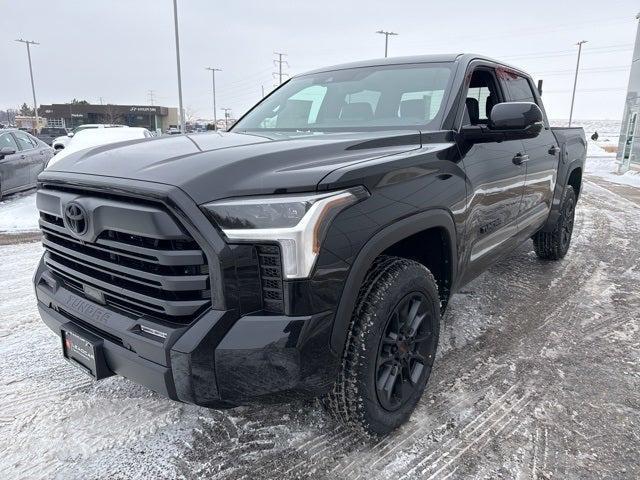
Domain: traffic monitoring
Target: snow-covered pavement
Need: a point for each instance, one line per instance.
(538, 376)
(18, 213)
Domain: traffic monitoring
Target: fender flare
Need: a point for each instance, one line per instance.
(561, 184)
(385, 238)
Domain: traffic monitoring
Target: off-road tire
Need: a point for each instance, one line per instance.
(554, 245)
(353, 399)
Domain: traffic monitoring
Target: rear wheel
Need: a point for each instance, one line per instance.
(390, 348)
(555, 244)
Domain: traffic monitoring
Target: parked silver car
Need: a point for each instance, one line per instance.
(22, 158)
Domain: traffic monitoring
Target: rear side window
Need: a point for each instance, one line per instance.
(517, 87)
(7, 140)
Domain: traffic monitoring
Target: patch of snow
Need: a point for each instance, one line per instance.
(606, 167)
(18, 213)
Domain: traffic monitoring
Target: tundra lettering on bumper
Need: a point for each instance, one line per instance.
(194, 364)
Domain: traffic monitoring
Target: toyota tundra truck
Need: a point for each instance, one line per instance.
(312, 249)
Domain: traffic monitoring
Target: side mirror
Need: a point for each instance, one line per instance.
(70, 134)
(4, 151)
(507, 121)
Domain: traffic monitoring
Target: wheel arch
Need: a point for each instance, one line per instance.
(429, 221)
(575, 179)
(569, 177)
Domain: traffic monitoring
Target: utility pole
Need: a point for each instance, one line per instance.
(226, 117)
(101, 100)
(386, 40)
(575, 80)
(175, 20)
(28, 43)
(279, 63)
(213, 77)
(150, 95)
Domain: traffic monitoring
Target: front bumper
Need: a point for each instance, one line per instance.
(219, 360)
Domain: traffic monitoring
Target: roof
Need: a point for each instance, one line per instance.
(439, 58)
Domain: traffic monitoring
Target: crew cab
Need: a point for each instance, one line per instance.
(310, 250)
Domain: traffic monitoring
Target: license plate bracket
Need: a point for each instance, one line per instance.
(84, 350)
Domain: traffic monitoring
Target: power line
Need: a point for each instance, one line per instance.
(28, 43)
(589, 90)
(386, 40)
(523, 31)
(279, 62)
(603, 69)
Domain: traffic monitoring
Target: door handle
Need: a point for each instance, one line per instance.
(553, 150)
(520, 158)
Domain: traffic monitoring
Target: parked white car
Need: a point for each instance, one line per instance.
(94, 137)
(61, 142)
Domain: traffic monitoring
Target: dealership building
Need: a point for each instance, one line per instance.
(71, 115)
(629, 144)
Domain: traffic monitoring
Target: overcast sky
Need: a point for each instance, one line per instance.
(120, 49)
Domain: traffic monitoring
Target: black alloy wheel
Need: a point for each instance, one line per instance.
(406, 351)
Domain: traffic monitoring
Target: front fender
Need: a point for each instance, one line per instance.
(380, 242)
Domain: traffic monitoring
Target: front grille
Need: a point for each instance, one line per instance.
(271, 278)
(139, 275)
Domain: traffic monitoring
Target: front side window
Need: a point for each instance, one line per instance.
(482, 96)
(369, 98)
(7, 140)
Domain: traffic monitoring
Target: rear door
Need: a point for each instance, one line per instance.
(12, 171)
(31, 158)
(40, 159)
(543, 156)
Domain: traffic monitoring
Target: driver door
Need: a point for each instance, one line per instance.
(495, 181)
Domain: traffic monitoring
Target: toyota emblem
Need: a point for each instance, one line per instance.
(75, 218)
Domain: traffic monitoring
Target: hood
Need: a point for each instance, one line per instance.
(216, 165)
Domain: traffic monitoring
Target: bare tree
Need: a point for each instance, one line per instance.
(11, 115)
(111, 115)
(190, 114)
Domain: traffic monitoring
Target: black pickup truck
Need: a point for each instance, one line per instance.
(311, 250)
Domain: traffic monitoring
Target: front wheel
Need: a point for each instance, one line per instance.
(554, 245)
(390, 347)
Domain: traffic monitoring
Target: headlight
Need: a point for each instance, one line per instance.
(297, 222)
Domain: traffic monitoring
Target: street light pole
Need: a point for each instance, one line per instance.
(28, 43)
(226, 118)
(213, 75)
(175, 20)
(575, 80)
(386, 40)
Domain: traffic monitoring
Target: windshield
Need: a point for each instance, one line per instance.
(369, 98)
